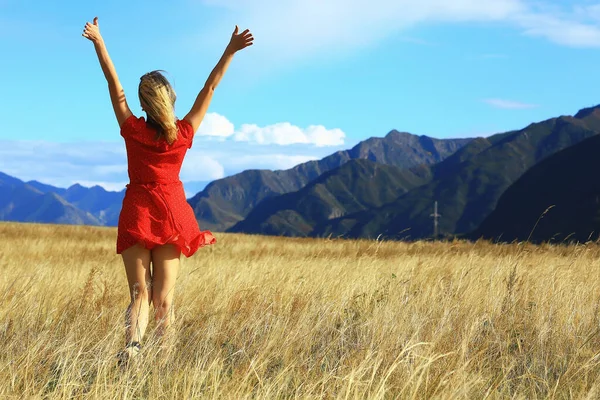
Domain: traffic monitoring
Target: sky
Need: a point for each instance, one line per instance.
(321, 76)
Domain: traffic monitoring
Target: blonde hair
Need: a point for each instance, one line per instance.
(157, 98)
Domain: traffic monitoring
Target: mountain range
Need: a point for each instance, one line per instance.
(34, 201)
(468, 184)
(492, 187)
(227, 201)
(359, 184)
(223, 202)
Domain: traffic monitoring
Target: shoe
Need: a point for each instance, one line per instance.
(129, 353)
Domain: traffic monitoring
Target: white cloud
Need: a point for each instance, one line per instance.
(105, 163)
(214, 124)
(297, 30)
(565, 31)
(198, 167)
(217, 126)
(508, 104)
(110, 186)
(286, 134)
(64, 164)
(110, 169)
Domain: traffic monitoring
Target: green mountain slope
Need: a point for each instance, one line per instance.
(357, 185)
(225, 202)
(468, 184)
(564, 189)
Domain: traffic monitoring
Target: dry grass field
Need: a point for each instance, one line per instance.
(270, 318)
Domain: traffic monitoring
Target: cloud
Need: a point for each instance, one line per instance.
(508, 104)
(299, 30)
(287, 30)
(110, 169)
(218, 151)
(284, 133)
(563, 30)
(110, 186)
(63, 164)
(214, 124)
(105, 163)
(198, 167)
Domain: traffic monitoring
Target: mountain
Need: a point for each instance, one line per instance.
(357, 185)
(44, 188)
(34, 201)
(104, 205)
(225, 202)
(469, 183)
(566, 185)
(20, 201)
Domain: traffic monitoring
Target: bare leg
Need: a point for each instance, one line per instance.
(137, 268)
(165, 265)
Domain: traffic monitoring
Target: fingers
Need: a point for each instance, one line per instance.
(89, 26)
(243, 34)
(243, 39)
(90, 31)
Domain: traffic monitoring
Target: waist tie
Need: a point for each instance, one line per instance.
(160, 201)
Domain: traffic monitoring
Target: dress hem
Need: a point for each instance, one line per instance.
(204, 238)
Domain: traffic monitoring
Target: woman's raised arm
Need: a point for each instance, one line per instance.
(117, 95)
(237, 43)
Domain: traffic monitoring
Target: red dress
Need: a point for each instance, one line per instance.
(155, 210)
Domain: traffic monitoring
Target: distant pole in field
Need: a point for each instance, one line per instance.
(435, 217)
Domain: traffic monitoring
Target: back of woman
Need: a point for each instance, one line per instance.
(156, 224)
(150, 158)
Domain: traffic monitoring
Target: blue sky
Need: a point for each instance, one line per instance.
(321, 76)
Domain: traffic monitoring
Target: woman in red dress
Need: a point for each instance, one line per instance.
(156, 224)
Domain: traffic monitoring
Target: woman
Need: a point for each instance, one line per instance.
(156, 223)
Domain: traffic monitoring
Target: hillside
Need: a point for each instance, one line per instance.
(566, 185)
(468, 184)
(357, 185)
(227, 201)
(34, 201)
(22, 202)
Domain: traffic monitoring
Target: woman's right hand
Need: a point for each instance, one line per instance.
(92, 31)
(240, 41)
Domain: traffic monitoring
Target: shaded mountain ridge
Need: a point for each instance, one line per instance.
(227, 201)
(357, 185)
(556, 200)
(467, 184)
(34, 201)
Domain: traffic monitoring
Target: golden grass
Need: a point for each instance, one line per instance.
(262, 317)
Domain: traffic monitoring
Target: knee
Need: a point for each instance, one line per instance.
(161, 302)
(140, 293)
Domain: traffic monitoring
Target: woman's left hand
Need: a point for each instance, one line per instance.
(92, 31)
(241, 41)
